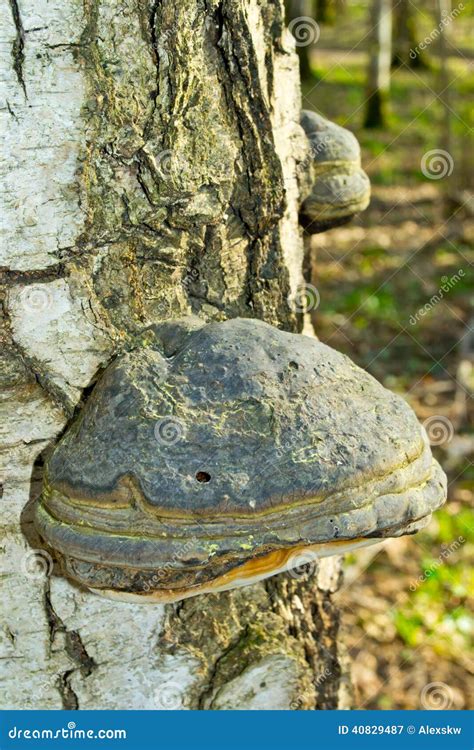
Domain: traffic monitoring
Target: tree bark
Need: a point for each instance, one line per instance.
(153, 160)
(380, 54)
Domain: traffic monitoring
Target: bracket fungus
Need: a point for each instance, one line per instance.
(209, 457)
(340, 187)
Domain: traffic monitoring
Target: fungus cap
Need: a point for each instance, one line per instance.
(340, 187)
(207, 459)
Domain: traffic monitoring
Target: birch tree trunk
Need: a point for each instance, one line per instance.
(380, 56)
(152, 171)
(443, 16)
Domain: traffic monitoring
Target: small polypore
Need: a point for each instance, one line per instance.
(215, 454)
(340, 188)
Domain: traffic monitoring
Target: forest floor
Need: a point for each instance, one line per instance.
(405, 611)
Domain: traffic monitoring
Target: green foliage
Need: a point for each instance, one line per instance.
(371, 282)
(435, 611)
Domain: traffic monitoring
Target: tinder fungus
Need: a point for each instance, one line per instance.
(340, 187)
(210, 456)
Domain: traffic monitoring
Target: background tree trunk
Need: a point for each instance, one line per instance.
(380, 55)
(443, 14)
(302, 10)
(405, 40)
(153, 164)
(325, 11)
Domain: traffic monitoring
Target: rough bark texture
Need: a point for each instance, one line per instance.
(380, 56)
(153, 160)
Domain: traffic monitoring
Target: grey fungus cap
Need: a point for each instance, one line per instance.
(205, 459)
(340, 188)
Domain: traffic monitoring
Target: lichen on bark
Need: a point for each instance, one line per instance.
(181, 176)
(153, 172)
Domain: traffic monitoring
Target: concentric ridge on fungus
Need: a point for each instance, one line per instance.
(207, 458)
(340, 188)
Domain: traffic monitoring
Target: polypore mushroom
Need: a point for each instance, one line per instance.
(340, 188)
(211, 457)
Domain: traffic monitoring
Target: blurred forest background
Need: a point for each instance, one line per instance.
(396, 295)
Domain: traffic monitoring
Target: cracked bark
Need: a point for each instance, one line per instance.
(73, 647)
(18, 45)
(152, 173)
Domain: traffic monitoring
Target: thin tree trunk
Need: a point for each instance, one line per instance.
(448, 183)
(405, 41)
(380, 55)
(325, 11)
(302, 13)
(153, 161)
(443, 11)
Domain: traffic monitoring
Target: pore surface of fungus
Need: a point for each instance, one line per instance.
(340, 187)
(208, 458)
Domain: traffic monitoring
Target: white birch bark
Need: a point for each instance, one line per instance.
(150, 170)
(380, 58)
